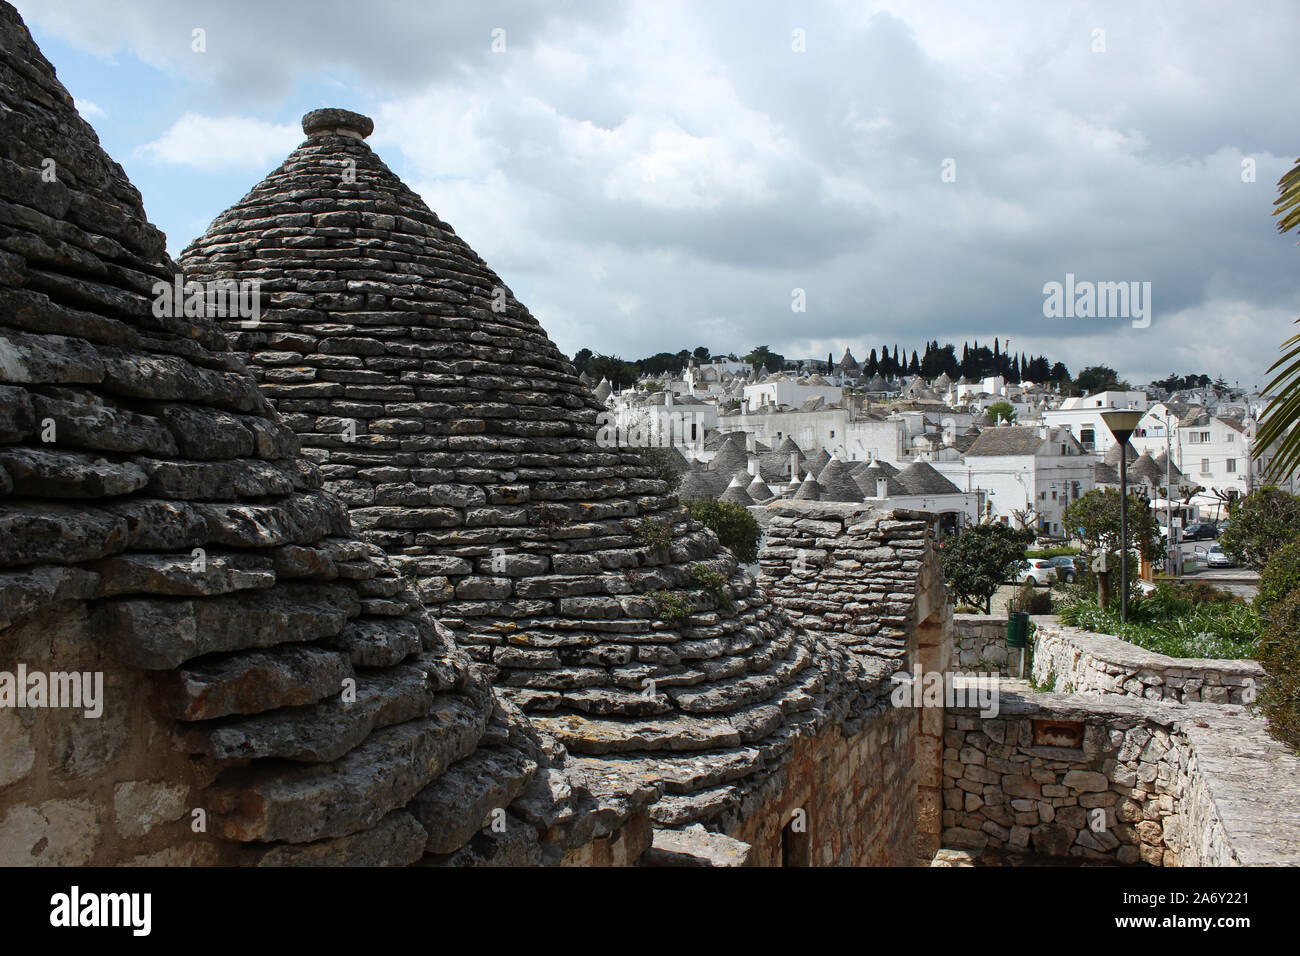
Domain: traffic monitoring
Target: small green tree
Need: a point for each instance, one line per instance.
(1279, 654)
(977, 561)
(1094, 517)
(735, 527)
(1281, 576)
(1261, 523)
(1002, 411)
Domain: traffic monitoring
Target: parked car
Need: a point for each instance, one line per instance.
(1067, 567)
(1035, 571)
(1216, 558)
(1204, 531)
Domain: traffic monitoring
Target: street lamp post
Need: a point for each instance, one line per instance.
(1122, 422)
(1169, 511)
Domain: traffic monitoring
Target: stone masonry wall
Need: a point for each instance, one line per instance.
(869, 581)
(862, 577)
(979, 643)
(78, 790)
(1077, 661)
(1120, 780)
(856, 783)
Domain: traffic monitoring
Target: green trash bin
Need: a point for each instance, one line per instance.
(1017, 628)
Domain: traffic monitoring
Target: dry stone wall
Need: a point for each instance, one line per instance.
(870, 582)
(851, 574)
(1120, 780)
(853, 787)
(1075, 661)
(980, 644)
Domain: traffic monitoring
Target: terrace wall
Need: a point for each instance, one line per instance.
(1075, 661)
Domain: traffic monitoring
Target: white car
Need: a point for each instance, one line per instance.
(1035, 571)
(1215, 558)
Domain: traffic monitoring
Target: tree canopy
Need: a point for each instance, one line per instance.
(1260, 524)
(1094, 517)
(977, 561)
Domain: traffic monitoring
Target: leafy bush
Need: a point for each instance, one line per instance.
(1032, 601)
(1095, 516)
(1279, 653)
(671, 605)
(654, 534)
(712, 581)
(1181, 621)
(1046, 553)
(735, 527)
(1280, 577)
(667, 465)
(978, 560)
(1260, 524)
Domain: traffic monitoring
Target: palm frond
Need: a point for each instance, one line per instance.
(1287, 204)
(1278, 424)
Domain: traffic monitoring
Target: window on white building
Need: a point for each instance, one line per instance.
(1205, 466)
(1232, 465)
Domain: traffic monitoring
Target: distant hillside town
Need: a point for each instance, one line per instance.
(965, 450)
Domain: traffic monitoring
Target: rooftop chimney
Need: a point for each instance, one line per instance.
(338, 122)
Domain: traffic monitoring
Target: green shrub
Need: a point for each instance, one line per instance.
(1280, 577)
(1261, 523)
(712, 581)
(1279, 653)
(668, 466)
(1032, 601)
(1046, 553)
(977, 561)
(654, 534)
(1181, 621)
(735, 527)
(671, 605)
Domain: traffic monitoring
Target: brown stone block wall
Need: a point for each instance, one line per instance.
(76, 790)
(858, 791)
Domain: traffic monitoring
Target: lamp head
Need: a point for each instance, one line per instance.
(1122, 422)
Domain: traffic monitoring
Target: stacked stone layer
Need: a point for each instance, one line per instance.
(465, 446)
(156, 519)
(851, 574)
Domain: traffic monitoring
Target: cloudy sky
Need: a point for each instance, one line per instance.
(659, 175)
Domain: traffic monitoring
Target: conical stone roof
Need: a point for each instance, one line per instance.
(758, 490)
(818, 462)
(158, 525)
(789, 446)
(1146, 469)
(736, 493)
(1174, 475)
(562, 566)
(603, 390)
(695, 484)
(866, 480)
(1113, 452)
(922, 478)
(732, 456)
(837, 484)
(809, 489)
